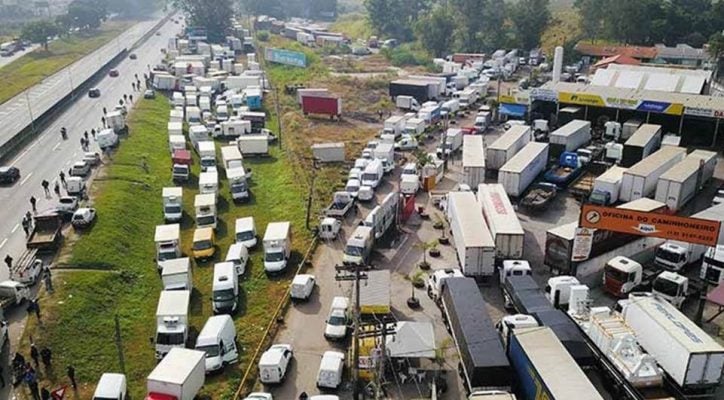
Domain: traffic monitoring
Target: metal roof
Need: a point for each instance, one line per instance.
(473, 153)
(522, 159)
(510, 136)
(643, 135)
(655, 160)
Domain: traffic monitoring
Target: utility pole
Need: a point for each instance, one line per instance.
(311, 191)
(353, 273)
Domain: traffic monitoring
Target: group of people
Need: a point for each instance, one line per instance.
(24, 372)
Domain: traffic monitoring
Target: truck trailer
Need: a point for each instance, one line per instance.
(502, 220)
(473, 160)
(473, 242)
(322, 104)
(679, 184)
(507, 145)
(640, 180)
(606, 187)
(520, 171)
(569, 137)
(643, 142)
(422, 91)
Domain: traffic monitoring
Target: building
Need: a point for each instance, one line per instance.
(663, 79)
(598, 52)
(619, 59)
(681, 54)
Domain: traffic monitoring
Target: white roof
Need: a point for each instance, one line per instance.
(277, 230)
(108, 385)
(177, 365)
(223, 270)
(198, 129)
(175, 266)
(244, 223)
(167, 232)
(473, 153)
(612, 175)
(205, 145)
(208, 178)
(205, 200)
(302, 279)
(234, 173)
(330, 360)
(498, 211)
(176, 139)
(683, 169)
(570, 128)
(172, 191)
(173, 302)
(408, 178)
(603, 77)
(473, 228)
(340, 302)
(376, 289)
(643, 135)
(510, 136)
(212, 326)
(412, 339)
(653, 161)
(272, 356)
(230, 152)
(643, 204)
(624, 264)
(522, 159)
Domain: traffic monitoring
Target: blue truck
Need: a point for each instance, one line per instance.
(566, 171)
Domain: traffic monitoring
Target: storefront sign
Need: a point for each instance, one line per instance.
(614, 102)
(543, 95)
(653, 106)
(583, 99)
(699, 112)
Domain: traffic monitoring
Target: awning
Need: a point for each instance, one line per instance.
(412, 340)
(513, 110)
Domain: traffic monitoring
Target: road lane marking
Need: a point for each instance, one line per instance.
(3, 242)
(26, 179)
(21, 156)
(56, 146)
(15, 228)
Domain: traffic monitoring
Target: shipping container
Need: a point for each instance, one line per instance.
(679, 184)
(520, 171)
(301, 92)
(643, 142)
(483, 363)
(439, 85)
(569, 137)
(544, 369)
(502, 220)
(640, 180)
(474, 244)
(607, 186)
(473, 161)
(507, 145)
(322, 104)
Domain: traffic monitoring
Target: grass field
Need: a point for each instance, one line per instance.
(354, 25)
(110, 271)
(32, 68)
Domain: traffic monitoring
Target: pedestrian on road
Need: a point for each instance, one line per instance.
(35, 354)
(47, 356)
(130, 98)
(135, 76)
(57, 188)
(44, 394)
(2, 377)
(120, 101)
(105, 111)
(46, 185)
(62, 177)
(103, 121)
(85, 135)
(26, 226)
(138, 85)
(93, 132)
(35, 307)
(29, 217)
(9, 262)
(32, 203)
(125, 97)
(71, 376)
(133, 86)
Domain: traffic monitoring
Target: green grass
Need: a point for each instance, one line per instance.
(355, 26)
(32, 68)
(113, 273)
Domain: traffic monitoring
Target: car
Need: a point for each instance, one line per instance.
(68, 203)
(274, 362)
(337, 319)
(302, 287)
(83, 217)
(149, 94)
(133, 56)
(94, 92)
(92, 158)
(113, 73)
(80, 168)
(259, 396)
(158, 33)
(9, 174)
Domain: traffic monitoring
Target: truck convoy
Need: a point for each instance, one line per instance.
(474, 244)
(506, 146)
(520, 171)
(641, 179)
(473, 161)
(569, 137)
(502, 220)
(643, 142)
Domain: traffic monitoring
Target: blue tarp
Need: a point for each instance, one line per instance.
(513, 110)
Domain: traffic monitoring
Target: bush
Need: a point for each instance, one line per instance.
(263, 36)
(405, 56)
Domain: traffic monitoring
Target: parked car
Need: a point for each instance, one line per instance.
(9, 174)
(83, 217)
(68, 203)
(94, 92)
(259, 396)
(92, 158)
(80, 168)
(113, 73)
(133, 56)
(149, 94)
(302, 287)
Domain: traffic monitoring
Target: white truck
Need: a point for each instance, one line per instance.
(409, 184)
(606, 186)
(449, 108)
(172, 204)
(381, 218)
(205, 206)
(643, 142)
(520, 171)
(237, 183)
(502, 220)
(569, 137)
(175, 128)
(198, 133)
(116, 121)
(473, 160)
(359, 246)
(207, 155)
(172, 316)
(168, 242)
(231, 157)
(394, 125)
(386, 153)
(675, 255)
(407, 103)
(235, 128)
(176, 274)
(629, 128)
(253, 145)
(506, 146)
(179, 376)
(453, 142)
(474, 244)
(640, 180)
(277, 246)
(415, 126)
(679, 184)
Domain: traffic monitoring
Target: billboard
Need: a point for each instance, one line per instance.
(691, 230)
(286, 57)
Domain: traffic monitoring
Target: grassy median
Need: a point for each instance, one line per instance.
(37, 65)
(110, 270)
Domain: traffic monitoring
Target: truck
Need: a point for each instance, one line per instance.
(27, 268)
(643, 142)
(375, 297)
(420, 90)
(502, 220)
(482, 121)
(606, 187)
(238, 185)
(395, 125)
(467, 98)
(474, 245)
(506, 146)
(253, 145)
(181, 160)
(235, 128)
(675, 255)
(172, 204)
(431, 114)
(532, 352)
(437, 84)
(629, 128)
(565, 171)
(453, 142)
(473, 160)
(342, 203)
(172, 316)
(622, 275)
(385, 152)
(175, 128)
(13, 293)
(322, 104)
(382, 217)
(301, 92)
(277, 246)
(407, 103)
(569, 137)
(46, 234)
(168, 242)
(414, 126)
(641, 179)
(207, 155)
(176, 274)
(483, 363)
(179, 376)
(679, 184)
(231, 157)
(520, 170)
(690, 357)
(205, 208)
(116, 121)
(449, 108)
(712, 266)
(359, 246)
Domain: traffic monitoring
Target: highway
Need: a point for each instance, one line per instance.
(7, 60)
(15, 114)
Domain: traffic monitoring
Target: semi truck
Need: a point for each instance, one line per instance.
(606, 187)
(520, 171)
(643, 142)
(483, 364)
(473, 161)
(679, 184)
(172, 315)
(422, 91)
(640, 180)
(502, 220)
(474, 245)
(322, 104)
(179, 376)
(569, 137)
(506, 146)
(675, 255)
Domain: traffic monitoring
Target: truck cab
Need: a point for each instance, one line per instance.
(515, 321)
(167, 238)
(674, 255)
(514, 268)
(558, 290)
(237, 183)
(205, 205)
(712, 268)
(599, 197)
(672, 287)
(622, 275)
(359, 246)
(612, 131)
(13, 293)
(329, 228)
(436, 280)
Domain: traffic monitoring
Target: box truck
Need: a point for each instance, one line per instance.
(407, 103)
(473, 161)
(205, 207)
(172, 316)
(207, 155)
(474, 244)
(643, 142)
(176, 274)
(172, 203)
(277, 246)
(606, 186)
(629, 128)
(328, 152)
(502, 220)
(679, 184)
(689, 355)
(569, 137)
(381, 218)
(322, 104)
(394, 125)
(640, 180)
(520, 171)
(231, 157)
(237, 183)
(179, 376)
(167, 238)
(507, 145)
(483, 364)
(453, 142)
(420, 90)
(253, 145)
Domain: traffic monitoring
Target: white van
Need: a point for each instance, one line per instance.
(274, 363)
(111, 387)
(336, 323)
(218, 340)
(352, 187)
(107, 138)
(225, 289)
(359, 246)
(302, 287)
(246, 232)
(238, 255)
(373, 173)
(330, 370)
(365, 193)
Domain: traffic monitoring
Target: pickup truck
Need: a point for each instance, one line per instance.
(27, 269)
(46, 234)
(340, 206)
(13, 293)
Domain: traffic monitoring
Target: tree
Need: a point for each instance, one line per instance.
(39, 31)
(435, 29)
(395, 18)
(591, 17)
(716, 49)
(471, 19)
(214, 16)
(87, 14)
(530, 18)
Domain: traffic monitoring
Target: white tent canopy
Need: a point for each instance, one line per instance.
(412, 340)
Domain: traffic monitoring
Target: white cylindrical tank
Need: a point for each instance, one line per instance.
(557, 63)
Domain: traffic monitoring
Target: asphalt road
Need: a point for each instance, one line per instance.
(48, 154)
(15, 113)
(7, 60)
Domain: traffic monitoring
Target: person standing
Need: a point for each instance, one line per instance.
(105, 111)
(103, 121)
(47, 279)
(71, 376)
(32, 382)
(35, 355)
(46, 186)
(56, 188)
(9, 262)
(133, 86)
(33, 200)
(47, 356)
(26, 226)
(2, 377)
(44, 394)
(36, 308)
(62, 178)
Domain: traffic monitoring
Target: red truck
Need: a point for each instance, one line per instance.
(322, 104)
(181, 164)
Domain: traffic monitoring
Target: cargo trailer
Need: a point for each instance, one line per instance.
(679, 184)
(507, 145)
(420, 90)
(520, 171)
(643, 142)
(483, 364)
(473, 243)
(439, 85)
(322, 104)
(569, 137)
(502, 220)
(607, 186)
(640, 180)
(629, 128)
(473, 161)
